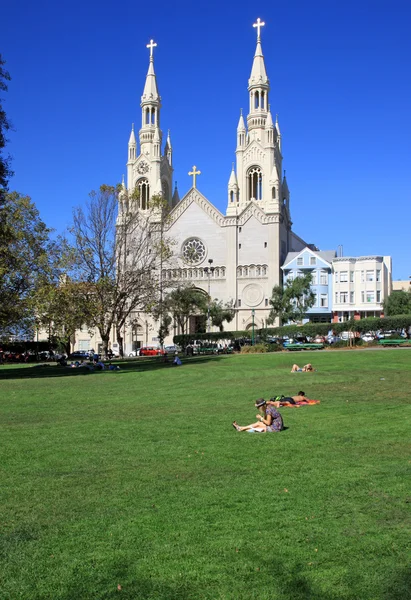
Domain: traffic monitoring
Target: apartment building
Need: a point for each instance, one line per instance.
(360, 286)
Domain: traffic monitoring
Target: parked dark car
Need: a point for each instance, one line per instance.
(79, 355)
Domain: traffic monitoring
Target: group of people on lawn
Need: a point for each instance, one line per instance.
(269, 419)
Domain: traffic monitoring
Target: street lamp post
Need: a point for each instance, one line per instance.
(209, 271)
(252, 334)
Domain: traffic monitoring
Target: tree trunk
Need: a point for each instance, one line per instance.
(105, 339)
(120, 344)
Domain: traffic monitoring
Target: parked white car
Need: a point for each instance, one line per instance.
(134, 353)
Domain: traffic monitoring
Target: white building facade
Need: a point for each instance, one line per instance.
(360, 286)
(245, 247)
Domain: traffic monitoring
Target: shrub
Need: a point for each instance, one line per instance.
(256, 349)
(274, 348)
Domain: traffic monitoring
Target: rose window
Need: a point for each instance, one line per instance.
(193, 251)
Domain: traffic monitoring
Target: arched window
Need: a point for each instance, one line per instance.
(255, 183)
(147, 116)
(273, 193)
(153, 116)
(231, 196)
(262, 100)
(256, 100)
(144, 192)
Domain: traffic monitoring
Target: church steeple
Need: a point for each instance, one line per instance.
(150, 172)
(257, 176)
(150, 102)
(258, 85)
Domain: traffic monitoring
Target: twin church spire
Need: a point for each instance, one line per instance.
(257, 175)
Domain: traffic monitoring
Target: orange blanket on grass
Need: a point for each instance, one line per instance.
(300, 403)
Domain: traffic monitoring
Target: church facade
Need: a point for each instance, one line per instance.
(237, 256)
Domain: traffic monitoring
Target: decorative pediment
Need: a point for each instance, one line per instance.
(253, 210)
(254, 153)
(194, 196)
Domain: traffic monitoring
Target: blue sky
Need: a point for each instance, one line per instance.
(340, 81)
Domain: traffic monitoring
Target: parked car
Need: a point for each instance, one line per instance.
(79, 355)
(346, 335)
(368, 337)
(134, 353)
(151, 351)
(172, 348)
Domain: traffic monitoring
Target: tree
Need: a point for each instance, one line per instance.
(26, 258)
(184, 302)
(60, 310)
(291, 302)
(397, 303)
(220, 312)
(116, 258)
(5, 125)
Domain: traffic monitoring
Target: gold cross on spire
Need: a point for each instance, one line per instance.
(151, 45)
(194, 173)
(259, 24)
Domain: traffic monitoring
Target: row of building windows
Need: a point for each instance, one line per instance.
(300, 261)
(366, 297)
(200, 273)
(252, 271)
(369, 275)
(318, 278)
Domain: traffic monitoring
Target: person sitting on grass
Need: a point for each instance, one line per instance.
(306, 368)
(269, 419)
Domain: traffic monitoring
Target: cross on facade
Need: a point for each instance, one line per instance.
(194, 173)
(151, 45)
(259, 24)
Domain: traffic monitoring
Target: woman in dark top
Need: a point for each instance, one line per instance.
(269, 419)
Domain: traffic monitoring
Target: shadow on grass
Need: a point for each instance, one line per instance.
(132, 366)
(400, 587)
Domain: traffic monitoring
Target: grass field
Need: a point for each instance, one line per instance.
(134, 485)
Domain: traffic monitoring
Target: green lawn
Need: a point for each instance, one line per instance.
(134, 485)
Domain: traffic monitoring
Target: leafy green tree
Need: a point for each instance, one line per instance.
(220, 313)
(184, 302)
(397, 303)
(60, 309)
(5, 125)
(26, 259)
(291, 302)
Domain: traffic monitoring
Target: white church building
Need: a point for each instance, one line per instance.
(236, 256)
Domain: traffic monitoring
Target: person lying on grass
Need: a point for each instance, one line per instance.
(268, 419)
(299, 399)
(306, 368)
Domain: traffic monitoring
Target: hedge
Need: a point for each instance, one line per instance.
(309, 329)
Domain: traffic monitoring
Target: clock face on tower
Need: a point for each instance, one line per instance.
(142, 168)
